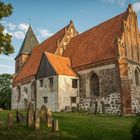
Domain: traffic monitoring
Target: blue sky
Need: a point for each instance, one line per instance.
(49, 16)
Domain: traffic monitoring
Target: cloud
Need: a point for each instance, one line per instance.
(118, 2)
(7, 58)
(136, 6)
(44, 33)
(23, 26)
(19, 34)
(6, 66)
(11, 26)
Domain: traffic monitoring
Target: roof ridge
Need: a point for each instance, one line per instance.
(100, 24)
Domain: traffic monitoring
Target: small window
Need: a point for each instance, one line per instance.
(73, 99)
(51, 82)
(74, 83)
(45, 100)
(41, 83)
(26, 90)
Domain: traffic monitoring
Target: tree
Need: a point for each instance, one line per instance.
(5, 39)
(5, 91)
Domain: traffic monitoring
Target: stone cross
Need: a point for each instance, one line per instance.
(49, 117)
(55, 126)
(10, 121)
(37, 120)
(30, 116)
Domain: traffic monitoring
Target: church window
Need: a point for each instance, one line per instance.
(51, 82)
(19, 93)
(137, 77)
(73, 99)
(74, 83)
(41, 83)
(26, 90)
(94, 85)
(45, 99)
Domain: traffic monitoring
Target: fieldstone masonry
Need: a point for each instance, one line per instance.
(135, 90)
(109, 100)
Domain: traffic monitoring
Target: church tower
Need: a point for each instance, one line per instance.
(30, 41)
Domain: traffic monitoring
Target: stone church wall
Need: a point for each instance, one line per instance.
(109, 100)
(25, 94)
(135, 90)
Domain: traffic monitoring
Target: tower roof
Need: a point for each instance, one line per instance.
(30, 41)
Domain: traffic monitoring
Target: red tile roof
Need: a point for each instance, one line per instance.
(31, 66)
(96, 44)
(61, 65)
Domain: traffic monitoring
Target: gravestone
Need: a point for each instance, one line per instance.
(103, 106)
(37, 120)
(1, 109)
(30, 116)
(55, 126)
(43, 113)
(96, 108)
(1, 124)
(17, 116)
(10, 121)
(49, 117)
(67, 109)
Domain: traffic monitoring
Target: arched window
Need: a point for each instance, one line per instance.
(18, 93)
(137, 77)
(33, 89)
(94, 85)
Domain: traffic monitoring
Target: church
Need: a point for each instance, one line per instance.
(97, 70)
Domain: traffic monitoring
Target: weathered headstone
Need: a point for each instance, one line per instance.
(55, 126)
(43, 113)
(10, 121)
(37, 120)
(30, 115)
(1, 109)
(1, 124)
(17, 116)
(96, 108)
(103, 106)
(49, 117)
(67, 109)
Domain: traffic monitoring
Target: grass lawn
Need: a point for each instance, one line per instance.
(73, 126)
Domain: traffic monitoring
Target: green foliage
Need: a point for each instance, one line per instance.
(5, 91)
(5, 39)
(136, 130)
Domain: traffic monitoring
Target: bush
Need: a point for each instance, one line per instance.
(136, 130)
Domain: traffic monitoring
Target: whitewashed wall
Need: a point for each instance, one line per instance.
(20, 105)
(47, 91)
(65, 91)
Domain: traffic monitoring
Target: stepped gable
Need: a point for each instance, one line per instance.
(96, 44)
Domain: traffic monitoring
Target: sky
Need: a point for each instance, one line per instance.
(49, 16)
